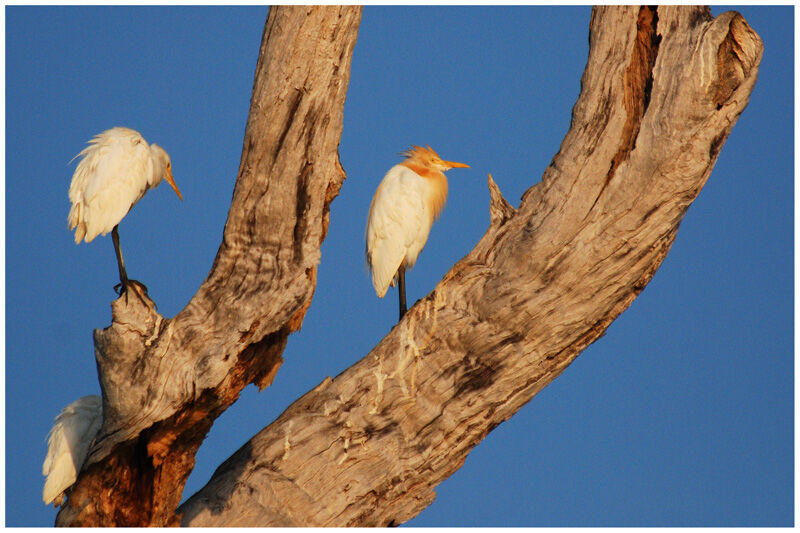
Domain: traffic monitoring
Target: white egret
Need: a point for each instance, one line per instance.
(68, 444)
(407, 201)
(115, 171)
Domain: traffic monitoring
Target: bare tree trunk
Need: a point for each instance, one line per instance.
(661, 92)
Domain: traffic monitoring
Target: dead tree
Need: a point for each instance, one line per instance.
(661, 91)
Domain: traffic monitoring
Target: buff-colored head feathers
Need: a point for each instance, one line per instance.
(421, 153)
(428, 158)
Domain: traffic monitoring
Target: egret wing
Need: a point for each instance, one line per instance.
(68, 444)
(397, 218)
(113, 175)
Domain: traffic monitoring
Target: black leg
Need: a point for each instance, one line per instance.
(123, 276)
(401, 289)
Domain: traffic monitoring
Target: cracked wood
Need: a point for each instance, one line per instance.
(661, 91)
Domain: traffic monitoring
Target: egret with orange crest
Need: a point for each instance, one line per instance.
(408, 200)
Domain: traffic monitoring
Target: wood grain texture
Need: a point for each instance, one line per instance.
(164, 381)
(661, 91)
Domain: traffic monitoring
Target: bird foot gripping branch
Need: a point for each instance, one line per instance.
(133, 302)
(137, 288)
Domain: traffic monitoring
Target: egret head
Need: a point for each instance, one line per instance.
(163, 167)
(427, 157)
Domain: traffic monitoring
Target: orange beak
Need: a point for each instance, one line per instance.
(453, 164)
(168, 177)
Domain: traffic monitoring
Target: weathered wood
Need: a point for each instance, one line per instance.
(164, 380)
(660, 93)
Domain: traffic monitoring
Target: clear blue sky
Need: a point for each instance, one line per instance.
(682, 414)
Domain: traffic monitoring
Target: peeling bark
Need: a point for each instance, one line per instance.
(661, 91)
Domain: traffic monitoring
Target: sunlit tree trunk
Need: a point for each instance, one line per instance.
(661, 91)
(164, 381)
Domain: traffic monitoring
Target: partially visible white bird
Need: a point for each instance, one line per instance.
(408, 200)
(68, 444)
(115, 171)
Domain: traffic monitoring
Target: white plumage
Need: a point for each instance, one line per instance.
(407, 201)
(68, 444)
(115, 171)
(400, 219)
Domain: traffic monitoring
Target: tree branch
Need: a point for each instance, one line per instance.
(661, 91)
(163, 380)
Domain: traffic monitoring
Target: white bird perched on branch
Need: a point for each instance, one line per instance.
(68, 444)
(117, 168)
(408, 200)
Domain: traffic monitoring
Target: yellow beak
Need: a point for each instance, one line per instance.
(168, 176)
(453, 164)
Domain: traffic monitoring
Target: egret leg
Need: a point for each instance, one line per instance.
(123, 276)
(401, 290)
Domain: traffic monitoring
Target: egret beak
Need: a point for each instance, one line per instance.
(453, 164)
(168, 177)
